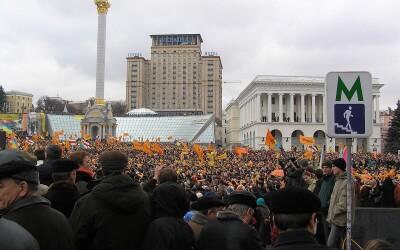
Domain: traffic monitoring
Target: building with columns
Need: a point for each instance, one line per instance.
(290, 106)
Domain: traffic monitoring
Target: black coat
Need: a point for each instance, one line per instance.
(169, 231)
(115, 215)
(47, 225)
(298, 240)
(15, 237)
(263, 225)
(63, 195)
(228, 232)
(45, 171)
(387, 191)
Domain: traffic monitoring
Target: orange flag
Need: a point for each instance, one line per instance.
(210, 147)
(308, 154)
(26, 146)
(87, 137)
(307, 140)
(270, 140)
(67, 145)
(199, 151)
(137, 145)
(158, 149)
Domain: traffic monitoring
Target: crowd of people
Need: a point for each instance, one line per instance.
(115, 196)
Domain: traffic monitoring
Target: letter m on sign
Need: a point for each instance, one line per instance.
(341, 87)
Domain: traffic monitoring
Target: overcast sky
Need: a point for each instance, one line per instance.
(48, 47)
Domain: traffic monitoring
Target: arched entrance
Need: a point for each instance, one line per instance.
(319, 137)
(296, 139)
(278, 137)
(94, 131)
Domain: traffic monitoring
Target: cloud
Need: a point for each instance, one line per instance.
(48, 47)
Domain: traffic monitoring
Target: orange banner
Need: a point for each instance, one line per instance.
(307, 140)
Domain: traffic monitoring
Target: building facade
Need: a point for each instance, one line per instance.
(386, 120)
(18, 102)
(290, 106)
(177, 80)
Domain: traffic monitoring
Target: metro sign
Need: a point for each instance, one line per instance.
(349, 104)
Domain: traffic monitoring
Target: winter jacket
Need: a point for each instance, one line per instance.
(397, 195)
(263, 224)
(298, 240)
(229, 232)
(295, 177)
(115, 215)
(387, 191)
(338, 203)
(169, 231)
(325, 193)
(63, 195)
(83, 177)
(49, 227)
(15, 237)
(197, 223)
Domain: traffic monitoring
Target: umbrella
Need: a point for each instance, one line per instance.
(277, 172)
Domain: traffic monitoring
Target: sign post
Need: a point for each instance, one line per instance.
(349, 115)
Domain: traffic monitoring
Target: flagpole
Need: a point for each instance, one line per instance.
(349, 192)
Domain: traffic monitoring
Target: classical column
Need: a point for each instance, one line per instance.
(323, 109)
(302, 115)
(291, 109)
(313, 108)
(269, 107)
(258, 108)
(253, 113)
(280, 107)
(377, 109)
(102, 8)
(264, 105)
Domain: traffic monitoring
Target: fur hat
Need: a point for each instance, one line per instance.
(242, 197)
(340, 163)
(294, 200)
(207, 202)
(113, 160)
(63, 166)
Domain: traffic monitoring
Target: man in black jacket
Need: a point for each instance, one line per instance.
(19, 182)
(63, 194)
(116, 214)
(294, 214)
(231, 229)
(169, 231)
(52, 153)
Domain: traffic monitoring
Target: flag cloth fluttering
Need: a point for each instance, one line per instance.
(270, 140)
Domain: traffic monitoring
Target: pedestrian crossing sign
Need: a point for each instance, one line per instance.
(349, 104)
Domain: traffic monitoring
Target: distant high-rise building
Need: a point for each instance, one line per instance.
(177, 79)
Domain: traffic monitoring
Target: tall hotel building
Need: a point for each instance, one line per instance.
(178, 80)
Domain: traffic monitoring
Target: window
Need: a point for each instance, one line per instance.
(273, 100)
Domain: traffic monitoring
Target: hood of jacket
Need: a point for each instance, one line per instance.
(120, 193)
(170, 199)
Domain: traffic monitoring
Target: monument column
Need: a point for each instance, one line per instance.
(102, 8)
